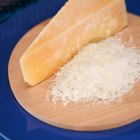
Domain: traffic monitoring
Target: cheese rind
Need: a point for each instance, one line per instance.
(68, 32)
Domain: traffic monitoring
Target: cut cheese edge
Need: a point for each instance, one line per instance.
(79, 22)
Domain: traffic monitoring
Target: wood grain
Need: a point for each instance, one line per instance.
(74, 116)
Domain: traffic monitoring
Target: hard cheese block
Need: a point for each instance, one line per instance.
(78, 22)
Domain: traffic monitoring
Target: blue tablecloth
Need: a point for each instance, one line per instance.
(16, 123)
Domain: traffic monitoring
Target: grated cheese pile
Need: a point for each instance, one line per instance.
(103, 71)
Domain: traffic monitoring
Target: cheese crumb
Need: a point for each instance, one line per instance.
(101, 72)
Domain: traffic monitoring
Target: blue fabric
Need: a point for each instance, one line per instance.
(16, 123)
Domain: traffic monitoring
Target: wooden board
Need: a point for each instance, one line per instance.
(74, 116)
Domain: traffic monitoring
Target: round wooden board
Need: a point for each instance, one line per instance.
(74, 116)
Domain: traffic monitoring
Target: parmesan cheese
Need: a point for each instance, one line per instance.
(76, 24)
(103, 71)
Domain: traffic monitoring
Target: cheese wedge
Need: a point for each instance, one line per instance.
(78, 22)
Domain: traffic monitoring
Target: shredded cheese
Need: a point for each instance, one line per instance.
(103, 71)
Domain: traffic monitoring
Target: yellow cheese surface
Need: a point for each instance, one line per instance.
(78, 22)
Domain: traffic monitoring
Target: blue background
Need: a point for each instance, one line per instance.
(16, 123)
